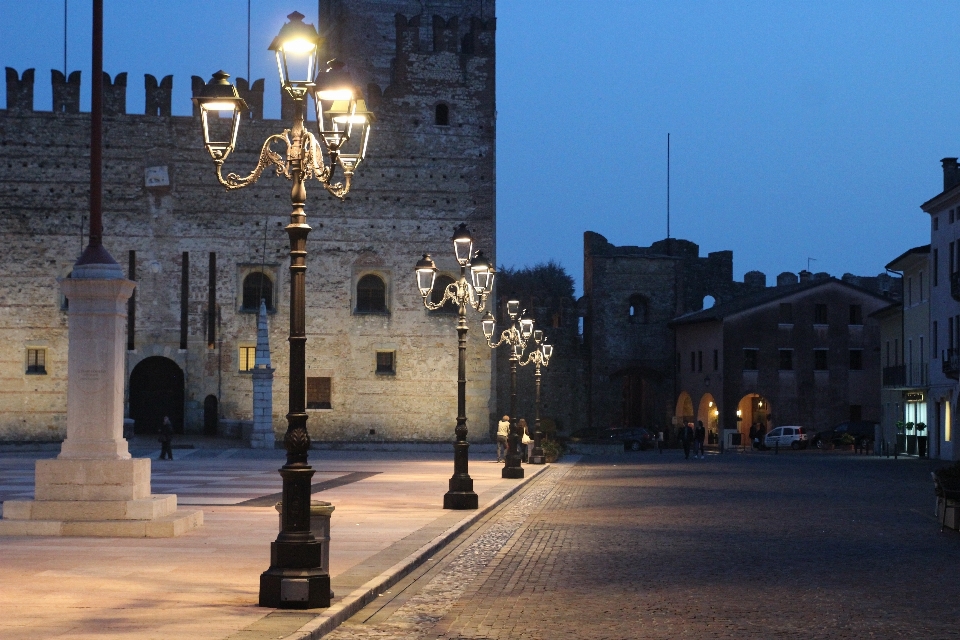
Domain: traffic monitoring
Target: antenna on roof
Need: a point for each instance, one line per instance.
(808, 262)
(668, 186)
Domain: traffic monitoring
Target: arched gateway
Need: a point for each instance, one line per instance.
(156, 390)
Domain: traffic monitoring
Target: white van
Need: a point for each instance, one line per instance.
(793, 437)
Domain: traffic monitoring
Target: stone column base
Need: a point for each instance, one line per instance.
(93, 497)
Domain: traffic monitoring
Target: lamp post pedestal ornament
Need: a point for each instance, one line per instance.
(296, 578)
(516, 336)
(461, 293)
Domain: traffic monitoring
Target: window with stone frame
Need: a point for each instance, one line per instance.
(257, 286)
(386, 363)
(820, 314)
(246, 357)
(786, 359)
(750, 358)
(318, 392)
(820, 359)
(37, 361)
(371, 294)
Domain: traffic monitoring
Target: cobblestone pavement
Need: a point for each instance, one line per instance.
(796, 545)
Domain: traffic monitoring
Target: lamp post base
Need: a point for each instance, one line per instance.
(460, 500)
(514, 473)
(285, 588)
(537, 459)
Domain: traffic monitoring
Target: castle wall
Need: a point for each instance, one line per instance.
(420, 180)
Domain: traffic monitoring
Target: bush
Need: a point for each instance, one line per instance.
(847, 439)
(551, 449)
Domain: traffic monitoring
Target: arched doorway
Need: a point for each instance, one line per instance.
(753, 409)
(156, 390)
(709, 414)
(211, 417)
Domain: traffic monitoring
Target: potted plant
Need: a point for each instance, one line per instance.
(846, 442)
(551, 450)
(921, 439)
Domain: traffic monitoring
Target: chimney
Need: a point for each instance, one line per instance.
(805, 276)
(951, 173)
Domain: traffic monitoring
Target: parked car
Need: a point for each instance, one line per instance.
(634, 439)
(862, 432)
(793, 437)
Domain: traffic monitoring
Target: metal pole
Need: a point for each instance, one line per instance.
(537, 456)
(512, 468)
(296, 578)
(95, 253)
(460, 494)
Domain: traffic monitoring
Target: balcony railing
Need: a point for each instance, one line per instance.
(905, 376)
(951, 363)
(955, 285)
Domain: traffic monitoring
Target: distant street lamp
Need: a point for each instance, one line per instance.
(516, 336)
(540, 356)
(461, 293)
(295, 579)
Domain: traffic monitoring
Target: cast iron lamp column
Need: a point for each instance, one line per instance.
(540, 356)
(516, 336)
(296, 578)
(462, 293)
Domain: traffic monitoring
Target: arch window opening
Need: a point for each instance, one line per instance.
(257, 286)
(371, 294)
(638, 309)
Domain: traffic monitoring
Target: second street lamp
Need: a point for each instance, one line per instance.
(296, 578)
(516, 337)
(539, 356)
(461, 293)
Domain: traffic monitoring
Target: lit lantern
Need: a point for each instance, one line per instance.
(513, 308)
(463, 244)
(526, 328)
(426, 273)
(489, 325)
(482, 273)
(547, 351)
(351, 123)
(296, 47)
(538, 336)
(518, 350)
(218, 98)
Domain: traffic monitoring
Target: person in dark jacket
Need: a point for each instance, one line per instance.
(686, 437)
(166, 439)
(698, 437)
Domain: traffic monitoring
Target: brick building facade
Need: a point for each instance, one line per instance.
(379, 366)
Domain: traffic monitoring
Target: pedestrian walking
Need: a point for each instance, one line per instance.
(698, 437)
(525, 440)
(686, 437)
(166, 439)
(503, 430)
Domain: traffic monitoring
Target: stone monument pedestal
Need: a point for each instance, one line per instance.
(94, 487)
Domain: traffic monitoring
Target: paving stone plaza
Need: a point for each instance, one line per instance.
(641, 545)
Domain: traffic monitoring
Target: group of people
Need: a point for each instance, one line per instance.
(503, 432)
(757, 433)
(695, 437)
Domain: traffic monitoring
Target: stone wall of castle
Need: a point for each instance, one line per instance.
(171, 225)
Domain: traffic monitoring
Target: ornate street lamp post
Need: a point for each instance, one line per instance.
(462, 293)
(516, 336)
(295, 579)
(540, 356)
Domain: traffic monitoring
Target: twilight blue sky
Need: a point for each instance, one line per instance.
(799, 129)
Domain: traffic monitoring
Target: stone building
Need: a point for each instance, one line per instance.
(630, 296)
(905, 352)
(806, 352)
(944, 212)
(379, 366)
